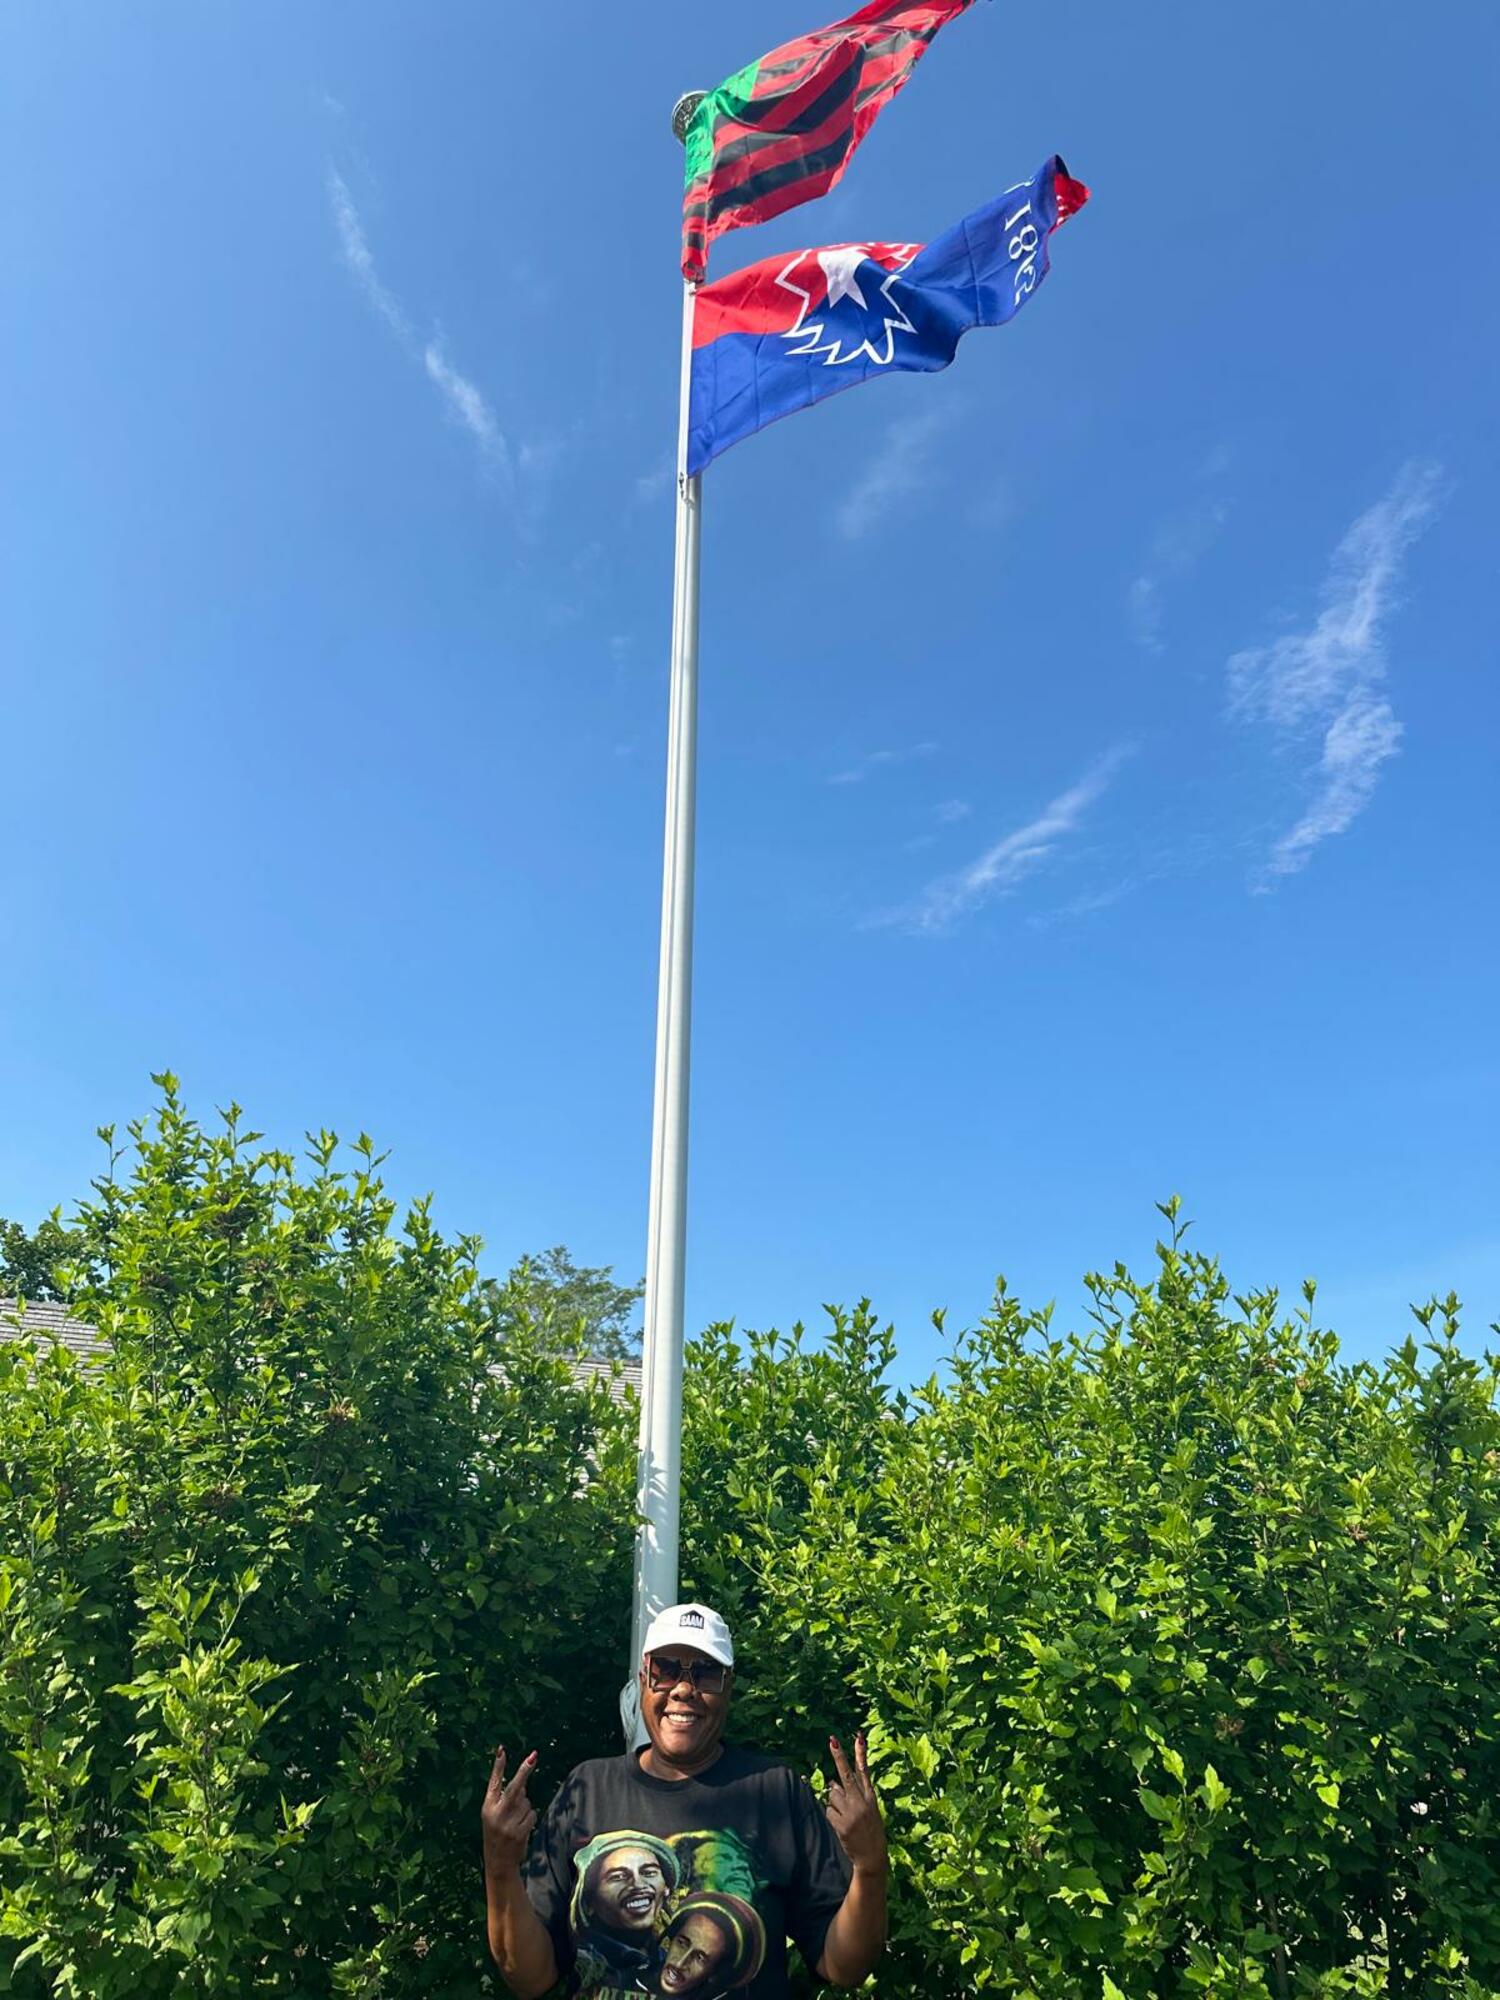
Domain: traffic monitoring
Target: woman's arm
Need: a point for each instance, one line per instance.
(519, 1941)
(856, 1937)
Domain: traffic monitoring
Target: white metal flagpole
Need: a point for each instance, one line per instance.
(659, 1466)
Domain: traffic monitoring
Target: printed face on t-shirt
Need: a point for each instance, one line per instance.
(695, 1950)
(675, 1915)
(629, 1891)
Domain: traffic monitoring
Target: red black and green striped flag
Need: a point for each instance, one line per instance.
(781, 130)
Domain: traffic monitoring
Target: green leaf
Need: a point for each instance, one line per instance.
(924, 1756)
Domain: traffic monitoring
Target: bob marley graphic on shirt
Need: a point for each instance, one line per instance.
(694, 1888)
(673, 1915)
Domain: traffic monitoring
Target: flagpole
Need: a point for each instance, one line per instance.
(659, 1465)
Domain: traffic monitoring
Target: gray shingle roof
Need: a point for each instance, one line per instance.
(622, 1377)
(43, 1317)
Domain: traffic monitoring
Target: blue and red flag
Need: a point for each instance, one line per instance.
(787, 332)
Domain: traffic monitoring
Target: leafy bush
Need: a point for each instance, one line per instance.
(276, 1577)
(582, 1298)
(1176, 1640)
(28, 1258)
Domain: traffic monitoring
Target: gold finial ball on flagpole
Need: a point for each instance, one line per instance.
(682, 112)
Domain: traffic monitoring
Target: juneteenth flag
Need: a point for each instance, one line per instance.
(781, 130)
(789, 331)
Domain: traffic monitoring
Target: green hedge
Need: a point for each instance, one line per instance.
(276, 1579)
(1176, 1641)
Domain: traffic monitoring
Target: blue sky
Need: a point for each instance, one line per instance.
(1098, 742)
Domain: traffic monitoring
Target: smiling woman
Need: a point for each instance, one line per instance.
(684, 1866)
(684, 1705)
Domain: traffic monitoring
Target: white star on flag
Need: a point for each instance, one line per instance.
(839, 266)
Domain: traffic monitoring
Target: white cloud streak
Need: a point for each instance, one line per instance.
(656, 483)
(1176, 548)
(463, 400)
(359, 257)
(467, 405)
(902, 471)
(879, 760)
(1003, 867)
(1323, 684)
(1358, 741)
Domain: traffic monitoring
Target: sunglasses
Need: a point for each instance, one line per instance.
(707, 1676)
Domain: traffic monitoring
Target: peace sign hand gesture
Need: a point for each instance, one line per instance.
(854, 1811)
(507, 1817)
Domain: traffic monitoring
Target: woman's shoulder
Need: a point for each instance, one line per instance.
(595, 1775)
(740, 1760)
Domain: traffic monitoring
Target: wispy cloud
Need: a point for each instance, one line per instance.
(1003, 867)
(463, 400)
(1323, 684)
(901, 472)
(1177, 547)
(1358, 741)
(1089, 904)
(1143, 604)
(359, 257)
(995, 504)
(1304, 674)
(656, 482)
(950, 811)
(879, 760)
(466, 404)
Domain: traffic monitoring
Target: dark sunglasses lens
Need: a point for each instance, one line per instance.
(706, 1675)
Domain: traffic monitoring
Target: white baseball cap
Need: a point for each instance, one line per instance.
(690, 1625)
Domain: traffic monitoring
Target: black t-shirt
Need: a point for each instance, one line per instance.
(688, 1888)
